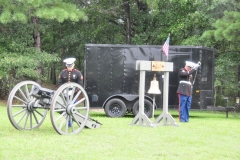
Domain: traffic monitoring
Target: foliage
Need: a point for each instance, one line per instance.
(224, 37)
(226, 73)
(225, 32)
(19, 59)
(54, 10)
(19, 62)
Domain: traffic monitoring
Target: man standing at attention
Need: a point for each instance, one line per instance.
(70, 74)
(184, 90)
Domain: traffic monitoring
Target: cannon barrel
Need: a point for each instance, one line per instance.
(40, 92)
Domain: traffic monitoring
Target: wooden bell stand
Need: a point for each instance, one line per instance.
(141, 118)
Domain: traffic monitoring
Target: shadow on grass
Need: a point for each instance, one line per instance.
(193, 114)
(127, 115)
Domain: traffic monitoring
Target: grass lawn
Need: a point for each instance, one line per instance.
(208, 136)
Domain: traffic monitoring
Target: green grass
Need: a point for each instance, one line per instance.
(208, 136)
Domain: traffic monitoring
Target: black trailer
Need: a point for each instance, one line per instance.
(112, 82)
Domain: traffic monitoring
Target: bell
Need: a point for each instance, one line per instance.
(154, 88)
(237, 100)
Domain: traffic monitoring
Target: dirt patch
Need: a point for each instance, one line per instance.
(97, 109)
(50, 86)
(3, 102)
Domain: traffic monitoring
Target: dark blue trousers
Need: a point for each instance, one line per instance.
(184, 107)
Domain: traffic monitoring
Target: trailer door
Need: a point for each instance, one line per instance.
(178, 60)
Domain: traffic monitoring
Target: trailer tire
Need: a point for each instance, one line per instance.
(148, 108)
(115, 108)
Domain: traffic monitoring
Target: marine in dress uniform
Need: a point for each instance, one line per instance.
(70, 74)
(184, 90)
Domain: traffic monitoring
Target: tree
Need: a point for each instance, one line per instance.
(29, 13)
(224, 37)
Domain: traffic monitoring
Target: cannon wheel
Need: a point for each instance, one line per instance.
(20, 107)
(69, 112)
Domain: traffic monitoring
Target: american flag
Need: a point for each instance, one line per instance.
(165, 47)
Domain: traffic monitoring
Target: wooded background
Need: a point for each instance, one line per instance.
(36, 35)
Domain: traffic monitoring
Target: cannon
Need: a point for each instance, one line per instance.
(28, 104)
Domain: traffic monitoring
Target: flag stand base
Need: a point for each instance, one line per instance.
(165, 117)
(142, 120)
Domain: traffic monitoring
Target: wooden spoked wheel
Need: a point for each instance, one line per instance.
(23, 110)
(69, 109)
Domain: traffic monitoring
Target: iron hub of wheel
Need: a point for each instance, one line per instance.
(30, 106)
(71, 109)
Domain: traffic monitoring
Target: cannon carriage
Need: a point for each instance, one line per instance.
(28, 104)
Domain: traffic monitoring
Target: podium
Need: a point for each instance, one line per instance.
(164, 118)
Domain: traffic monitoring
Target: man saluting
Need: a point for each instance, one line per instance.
(184, 90)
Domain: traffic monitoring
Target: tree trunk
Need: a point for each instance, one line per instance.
(127, 21)
(37, 43)
(53, 75)
(61, 37)
(238, 80)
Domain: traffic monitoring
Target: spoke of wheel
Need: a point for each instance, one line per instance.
(39, 113)
(27, 91)
(19, 105)
(62, 122)
(21, 117)
(59, 110)
(80, 101)
(67, 95)
(23, 94)
(30, 119)
(80, 115)
(71, 121)
(19, 112)
(26, 120)
(64, 107)
(20, 99)
(81, 108)
(66, 127)
(60, 116)
(35, 117)
(76, 96)
(71, 97)
(63, 98)
(79, 125)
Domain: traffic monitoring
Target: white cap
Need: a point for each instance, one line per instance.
(191, 64)
(69, 61)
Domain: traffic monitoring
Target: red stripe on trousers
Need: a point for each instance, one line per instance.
(179, 107)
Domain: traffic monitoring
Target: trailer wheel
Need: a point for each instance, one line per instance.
(115, 108)
(148, 108)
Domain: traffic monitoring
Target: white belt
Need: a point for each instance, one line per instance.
(185, 82)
